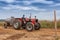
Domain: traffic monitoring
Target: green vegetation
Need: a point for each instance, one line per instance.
(58, 24)
(49, 24)
(44, 24)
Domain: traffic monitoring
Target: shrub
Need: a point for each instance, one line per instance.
(49, 24)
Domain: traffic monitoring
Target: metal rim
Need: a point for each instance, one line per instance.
(29, 27)
(16, 25)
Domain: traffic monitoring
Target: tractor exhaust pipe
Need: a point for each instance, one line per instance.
(30, 17)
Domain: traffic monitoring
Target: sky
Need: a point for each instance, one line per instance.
(43, 9)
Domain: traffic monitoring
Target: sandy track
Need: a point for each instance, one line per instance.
(42, 34)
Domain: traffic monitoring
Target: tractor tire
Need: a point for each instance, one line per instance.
(37, 26)
(5, 25)
(17, 25)
(29, 26)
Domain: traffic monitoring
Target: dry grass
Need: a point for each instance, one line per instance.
(1, 23)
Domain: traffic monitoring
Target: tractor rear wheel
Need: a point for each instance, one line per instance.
(17, 25)
(37, 26)
(29, 26)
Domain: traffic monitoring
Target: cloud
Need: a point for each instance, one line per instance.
(44, 1)
(57, 4)
(7, 8)
(17, 7)
(8, 1)
(11, 7)
(26, 2)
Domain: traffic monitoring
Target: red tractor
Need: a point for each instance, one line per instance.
(25, 23)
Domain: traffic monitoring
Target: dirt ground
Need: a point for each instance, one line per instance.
(42, 34)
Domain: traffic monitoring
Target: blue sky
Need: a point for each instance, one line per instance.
(43, 9)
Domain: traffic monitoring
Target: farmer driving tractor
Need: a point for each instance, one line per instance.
(23, 21)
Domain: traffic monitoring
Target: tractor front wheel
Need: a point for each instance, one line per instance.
(29, 26)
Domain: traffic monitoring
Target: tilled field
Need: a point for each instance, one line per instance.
(42, 34)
